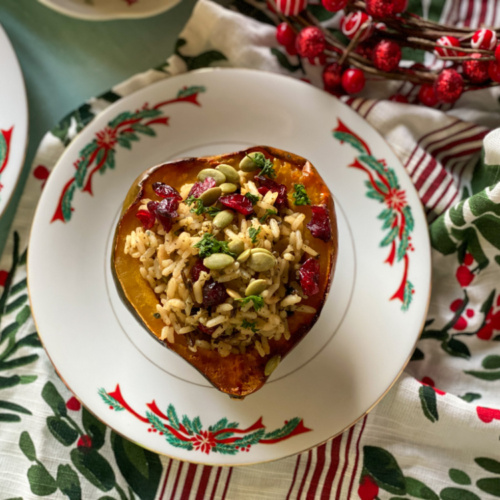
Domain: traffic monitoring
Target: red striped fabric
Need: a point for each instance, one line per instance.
(318, 470)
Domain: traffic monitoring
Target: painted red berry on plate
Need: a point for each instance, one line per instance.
(310, 42)
(353, 22)
(285, 34)
(386, 55)
(353, 80)
(484, 38)
(449, 86)
(334, 5)
(449, 50)
(476, 69)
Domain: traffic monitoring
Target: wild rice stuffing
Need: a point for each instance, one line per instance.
(238, 296)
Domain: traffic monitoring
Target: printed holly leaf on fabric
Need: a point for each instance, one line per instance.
(490, 485)
(61, 430)
(484, 175)
(52, 397)
(488, 464)
(94, 467)
(41, 482)
(456, 348)
(417, 489)
(459, 477)
(68, 482)
(471, 222)
(284, 62)
(428, 401)
(141, 468)
(452, 493)
(203, 60)
(384, 469)
(94, 428)
(27, 446)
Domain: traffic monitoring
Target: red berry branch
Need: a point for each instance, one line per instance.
(376, 31)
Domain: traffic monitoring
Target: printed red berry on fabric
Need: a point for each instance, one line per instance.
(368, 489)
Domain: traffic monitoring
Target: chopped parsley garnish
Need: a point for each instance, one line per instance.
(209, 244)
(257, 301)
(158, 316)
(265, 165)
(267, 214)
(300, 195)
(252, 197)
(199, 208)
(252, 232)
(251, 325)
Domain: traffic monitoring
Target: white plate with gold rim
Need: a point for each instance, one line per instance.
(13, 121)
(106, 10)
(371, 319)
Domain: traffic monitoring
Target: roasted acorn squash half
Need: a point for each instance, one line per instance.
(232, 333)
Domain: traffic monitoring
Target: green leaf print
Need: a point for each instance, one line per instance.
(468, 397)
(68, 482)
(456, 348)
(284, 62)
(452, 493)
(489, 376)
(491, 362)
(141, 468)
(488, 464)
(41, 482)
(94, 467)
(202, 60)
(490, 485)
(417, 489)
(384, 469)
(428, 401)
(52, 397)
(60, 429)
(27, 446)
(94, 428)
(459, 477)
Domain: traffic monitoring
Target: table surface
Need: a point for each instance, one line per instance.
(66, 60)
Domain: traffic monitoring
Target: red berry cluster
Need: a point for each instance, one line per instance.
(471, 61)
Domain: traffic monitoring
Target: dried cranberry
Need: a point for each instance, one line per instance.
(164, 210)
(238, 202)
(309, 277)
(319, 225)
(200, 187)
(166, 191)
(197, 269)
(214, 294)
(147, 218)
(205, 329)
(267, 184)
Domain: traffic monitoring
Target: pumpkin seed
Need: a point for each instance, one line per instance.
(236, 246)
(230, 172)
(271, 365)
(217, 176)
(223, 219)
(247, 164)
(228, 187)
(261, 250)
(255, 287)
(261, 261)
(210, 196)
(244, 256)
(217, 261)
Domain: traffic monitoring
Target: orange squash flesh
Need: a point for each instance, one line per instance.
(237, 375)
